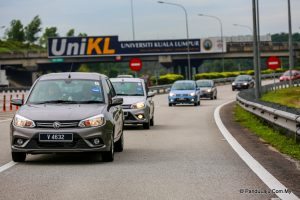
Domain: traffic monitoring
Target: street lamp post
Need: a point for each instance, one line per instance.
(222, 38)
(187, 35)
(132, 20)
(291, 56)
(245, 26)
(256, 49)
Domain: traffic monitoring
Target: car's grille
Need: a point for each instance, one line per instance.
(126, 106)
(182, 95)
(77, 143)
(62, 124)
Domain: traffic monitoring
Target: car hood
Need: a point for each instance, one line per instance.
(205, 88)
(182, 91)
(128, 100)
(241, 81)
(60, 112)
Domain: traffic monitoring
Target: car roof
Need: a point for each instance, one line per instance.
(185, 81)
(204, 80)
(127, 80)
(72, 75)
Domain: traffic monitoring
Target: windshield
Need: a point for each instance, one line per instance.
(204, 83)
(129, 88)
(287, 73)
(183, 86)
(242, 78)
(66, 91)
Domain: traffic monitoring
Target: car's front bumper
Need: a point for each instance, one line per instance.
(205, 94)
(182, 99)
(132, 116)
(240, 86)
(82, 140)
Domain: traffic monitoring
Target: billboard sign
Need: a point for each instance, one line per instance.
(62, 47)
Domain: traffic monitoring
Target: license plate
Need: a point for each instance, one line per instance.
(181, 99)
(56, 137)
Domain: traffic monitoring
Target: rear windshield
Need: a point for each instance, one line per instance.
(129, 88)
(287, 73)
(66, 91)
(183, 86)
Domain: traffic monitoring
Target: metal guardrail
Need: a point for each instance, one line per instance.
(162, 89)
(280, 116)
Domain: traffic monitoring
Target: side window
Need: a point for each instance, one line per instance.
(111, 88)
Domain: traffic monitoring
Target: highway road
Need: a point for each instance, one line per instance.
(184, 156)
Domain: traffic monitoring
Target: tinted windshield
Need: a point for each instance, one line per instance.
(242, 78)
(129, 88)
(183, 86)
(67, 91)
(204, 84)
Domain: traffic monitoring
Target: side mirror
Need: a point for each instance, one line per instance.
(197, 88)
(151, 94)
(116, 101)
(168, 89)
(17, 102)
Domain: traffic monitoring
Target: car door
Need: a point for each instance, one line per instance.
(149, 100)
(117, 112)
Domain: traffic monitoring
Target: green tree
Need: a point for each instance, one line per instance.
(49, 32)
(32, 29)
(16, 31)
(71, 33)
(82, 35)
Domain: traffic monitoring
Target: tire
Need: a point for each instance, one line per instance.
(152, 121)
(146, 125)
(18, 157)
(119, 145)
(212, 97)
(199, 103)
(233, 89)
(170, 104)
(108, 156)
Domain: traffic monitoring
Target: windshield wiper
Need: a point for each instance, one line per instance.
(89, 102)
(55, 101)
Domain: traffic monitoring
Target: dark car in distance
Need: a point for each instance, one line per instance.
(68, 112)
(242, 82)
(208, 89)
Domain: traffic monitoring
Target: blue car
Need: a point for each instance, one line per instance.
(184, 92)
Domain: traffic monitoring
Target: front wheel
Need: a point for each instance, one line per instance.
(18, 157)
(119, 145)
(152, 121)
(146, 125)
(108, 156)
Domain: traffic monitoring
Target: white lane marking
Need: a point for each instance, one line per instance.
(5, 120)
(7, 166)
(253, 164)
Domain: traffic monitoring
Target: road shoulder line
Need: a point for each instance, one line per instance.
(253, 164)
(7, 166)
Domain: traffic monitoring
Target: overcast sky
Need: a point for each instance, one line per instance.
(152, 20)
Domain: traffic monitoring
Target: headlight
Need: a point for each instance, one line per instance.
(209, 90)
(138, 105)
(23, 122)
(193, 94)
(95, 121)
(172, 94)
(245, 83)
(233, 83)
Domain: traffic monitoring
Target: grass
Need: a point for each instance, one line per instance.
(288, 97)
(273, 137)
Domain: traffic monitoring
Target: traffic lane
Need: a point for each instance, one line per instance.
(182, 157)
(5, 155)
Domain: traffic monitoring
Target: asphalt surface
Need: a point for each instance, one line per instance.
(184, 156)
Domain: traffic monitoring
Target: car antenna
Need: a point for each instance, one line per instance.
(70, 70)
